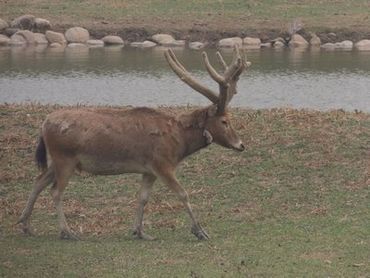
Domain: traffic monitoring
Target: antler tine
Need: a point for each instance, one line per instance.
(246, 63)
(184, 75)
(221, 60)
(235, 65)
(212, 72)
(174, 58)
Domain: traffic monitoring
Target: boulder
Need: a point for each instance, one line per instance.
(279, 44)
(56, 45)
(363, 45)
(328, 46)
(251, 41)
(144, 44)
(24, 22)
(76, 45)
(163, 39)
(4, 40)
(230, 42)
(17, 40)
(54, 37)
(3, 25)
(95, 43)
(298, 41)
(344, 45)
(315, 40)
(112, 40)
(196, 45)
(266, 45)
(176, 43)
(28, 36)
(77, 35)
(40, 38)
(41, 25)
(10, 31)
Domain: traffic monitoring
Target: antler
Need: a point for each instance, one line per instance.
(185, 76)
(227, 81)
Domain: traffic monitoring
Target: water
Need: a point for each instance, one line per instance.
(320, 80)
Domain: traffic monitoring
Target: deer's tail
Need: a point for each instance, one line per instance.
(41, 154)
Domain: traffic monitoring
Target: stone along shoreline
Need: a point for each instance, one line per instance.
(28, 30)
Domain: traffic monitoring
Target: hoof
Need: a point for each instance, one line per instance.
(198, 231)
(68, 235)
(25, 227)
(141, 235)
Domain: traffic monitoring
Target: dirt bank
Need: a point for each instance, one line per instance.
(212, 34)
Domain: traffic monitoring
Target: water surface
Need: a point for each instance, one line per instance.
(125, 76)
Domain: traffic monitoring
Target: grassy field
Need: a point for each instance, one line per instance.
(183, 14)
(295, 204)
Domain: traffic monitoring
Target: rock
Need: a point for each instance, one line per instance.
(315, 40)
(344, 45)
(363, 45)
(144, 44)
(298, 41)
(56, 45)
(40, 38)
(77, 35)
(163, 39)
(328, 46)
(230, 42)
(28, 36)
(54, 37)
(95, 43)
(4, 40)
(24, 22)
(196, 45)
(76, 45)
(17, 40)
(111, 40)
(41, 25)
(3, 25)
(176, 43)
(279, 44)
(10, 31)
(266, 45)
(251, 41)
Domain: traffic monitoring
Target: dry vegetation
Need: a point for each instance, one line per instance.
(296, 202)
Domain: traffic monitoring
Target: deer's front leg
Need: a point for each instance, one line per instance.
(143, 197)
(171, 181)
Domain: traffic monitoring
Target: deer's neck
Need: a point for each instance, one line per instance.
(193, 131)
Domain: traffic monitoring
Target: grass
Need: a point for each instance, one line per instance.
(180, 14)
(296, 203)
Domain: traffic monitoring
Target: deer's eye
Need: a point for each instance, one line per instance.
(224, 122)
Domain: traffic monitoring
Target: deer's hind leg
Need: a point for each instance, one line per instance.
(64, 169)
(42, 181)
(143, 197)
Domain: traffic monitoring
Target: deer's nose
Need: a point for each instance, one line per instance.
(242, 147)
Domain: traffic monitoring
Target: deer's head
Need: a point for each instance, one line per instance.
(217, 127)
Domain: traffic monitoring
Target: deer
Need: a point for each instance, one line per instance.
(109, 141)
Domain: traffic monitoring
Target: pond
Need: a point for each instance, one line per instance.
(313, 79)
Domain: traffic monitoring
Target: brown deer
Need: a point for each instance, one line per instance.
(141, 140)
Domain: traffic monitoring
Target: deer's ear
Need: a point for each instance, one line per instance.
(208, 135)
(212, 111)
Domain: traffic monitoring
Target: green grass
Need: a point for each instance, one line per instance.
(178, 14)
(295, 204)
